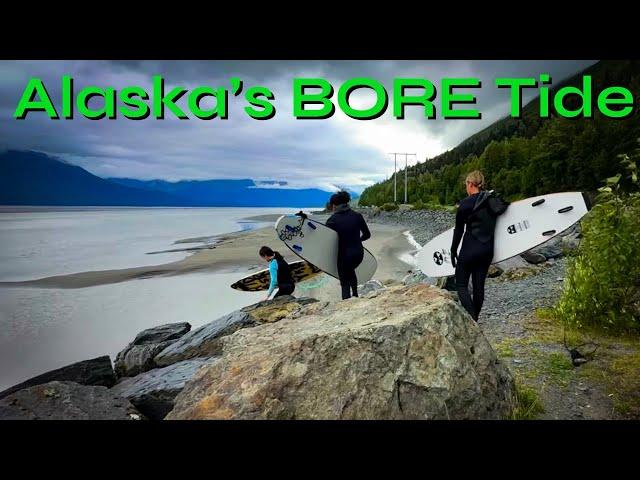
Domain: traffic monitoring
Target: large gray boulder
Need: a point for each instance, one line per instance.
(410, 352)
(66, 401)
(206, 340)
(97, 371)
(138, 356)
(153, 392)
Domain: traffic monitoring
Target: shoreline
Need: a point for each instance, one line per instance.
(230, 252)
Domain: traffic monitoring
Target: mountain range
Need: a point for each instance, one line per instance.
(34, 178)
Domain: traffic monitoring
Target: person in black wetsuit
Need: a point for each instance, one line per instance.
(352, 230)
(478, 213)
(280, 273)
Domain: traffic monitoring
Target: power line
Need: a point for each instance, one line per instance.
(395, 190)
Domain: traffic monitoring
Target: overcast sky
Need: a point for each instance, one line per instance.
(322, 153)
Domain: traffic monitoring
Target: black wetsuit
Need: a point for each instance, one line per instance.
(286, 283)
(478, 212)
(352, 231)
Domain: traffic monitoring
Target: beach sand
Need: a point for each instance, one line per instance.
(238, 252)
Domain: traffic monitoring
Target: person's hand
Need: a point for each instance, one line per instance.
(454, 259)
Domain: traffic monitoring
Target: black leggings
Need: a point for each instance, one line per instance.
(347, 264)
(474, 262)
(284, 290)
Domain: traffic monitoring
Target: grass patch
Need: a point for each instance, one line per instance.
(559, 367)
(619, 373)
(615, 365)
(504, 349)
(527, 403)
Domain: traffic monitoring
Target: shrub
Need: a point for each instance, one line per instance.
(419, 205)
(602, 285)
(389, 207)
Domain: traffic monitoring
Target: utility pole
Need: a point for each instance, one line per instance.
(406, 155)
(395, 168)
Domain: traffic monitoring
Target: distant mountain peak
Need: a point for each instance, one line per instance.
(35, 178)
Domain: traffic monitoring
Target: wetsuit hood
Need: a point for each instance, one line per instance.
(342, 208)
(483, 196)
(482, 221)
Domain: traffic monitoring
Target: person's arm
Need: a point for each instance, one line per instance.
(366, 234)
(458, 231)
(331, 223)
(273, 274)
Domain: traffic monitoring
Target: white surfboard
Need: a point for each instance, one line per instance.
(524, 225)
(318, 244)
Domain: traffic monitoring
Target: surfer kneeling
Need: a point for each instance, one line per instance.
(279, 273)
(352, 230)
(478, 212)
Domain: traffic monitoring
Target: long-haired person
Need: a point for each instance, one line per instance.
(476, 219)
(352, 230)
(279, 273)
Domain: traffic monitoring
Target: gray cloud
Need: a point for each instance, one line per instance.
(339, 150)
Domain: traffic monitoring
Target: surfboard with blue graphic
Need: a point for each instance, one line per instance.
(318, 244)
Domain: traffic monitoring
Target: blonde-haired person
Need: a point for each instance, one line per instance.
(476, 220)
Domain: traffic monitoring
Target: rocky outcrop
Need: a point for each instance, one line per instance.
(494, 271)
(269, 311)
(369, 287)
(138, 356)
(533, 257)
(153, 392)
(97, 371)
(407, 352)
(416, 277)
(66, 401)
(162, 333)
(206, 340)
(555, 247)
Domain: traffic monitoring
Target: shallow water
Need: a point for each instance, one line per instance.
(42, 329)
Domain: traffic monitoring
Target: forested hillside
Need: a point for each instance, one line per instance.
(529, 156)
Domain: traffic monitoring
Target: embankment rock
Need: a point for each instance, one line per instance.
(269, 311)
(138, 356)
(533, 257)
(97, 371)
(410, 352)
(369, 287)
(494, 271)
(416, 277)
(206, 340)
(556, 246)
(66, 401)
(162, 333)
(153, 392)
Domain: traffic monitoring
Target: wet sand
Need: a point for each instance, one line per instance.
(238, 252)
